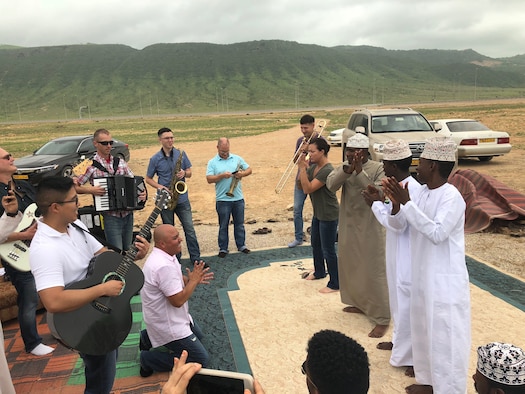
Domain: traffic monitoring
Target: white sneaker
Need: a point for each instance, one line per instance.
(42, 350)
(295, 243)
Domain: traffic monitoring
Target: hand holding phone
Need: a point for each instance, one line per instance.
(190, 378)
(214, 381)
(180, 375)
(9, 202)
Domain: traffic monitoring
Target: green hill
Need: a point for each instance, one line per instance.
(68, 82)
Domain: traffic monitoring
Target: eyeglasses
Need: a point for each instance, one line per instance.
(7, 157)
(106, 143)
(75, 200)
(303, 370)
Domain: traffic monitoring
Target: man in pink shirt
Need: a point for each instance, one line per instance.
(170, 329)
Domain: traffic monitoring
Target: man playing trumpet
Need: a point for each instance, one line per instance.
(222, 170)
(163, 164)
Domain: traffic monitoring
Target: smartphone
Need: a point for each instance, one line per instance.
(214, 381)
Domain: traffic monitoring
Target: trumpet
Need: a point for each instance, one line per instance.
(291, 165)
(235, 181)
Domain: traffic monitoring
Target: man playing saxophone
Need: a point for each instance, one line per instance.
(167, 166)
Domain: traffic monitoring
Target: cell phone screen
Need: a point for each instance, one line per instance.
(207, 384)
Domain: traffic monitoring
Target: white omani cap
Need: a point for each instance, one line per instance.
(358, 140)
(502, 363)
(440, 149)
(396, 150)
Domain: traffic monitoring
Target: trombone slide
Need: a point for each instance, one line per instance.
(297, 156)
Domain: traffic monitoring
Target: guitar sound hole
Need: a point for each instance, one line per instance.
(115, 276)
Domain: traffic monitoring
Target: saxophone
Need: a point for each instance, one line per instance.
(177, 187)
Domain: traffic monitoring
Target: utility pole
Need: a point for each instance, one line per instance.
(80, 111)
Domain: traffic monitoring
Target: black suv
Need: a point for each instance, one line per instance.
(59, 156)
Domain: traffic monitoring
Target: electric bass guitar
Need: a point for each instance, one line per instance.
(102, 325)
(16, 253)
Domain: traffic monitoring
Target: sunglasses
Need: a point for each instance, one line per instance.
(106, 143)
(7, 157)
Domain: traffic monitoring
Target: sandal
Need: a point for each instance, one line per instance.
(264, 230)
(306, 274)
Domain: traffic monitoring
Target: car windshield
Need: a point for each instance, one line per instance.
(58, 148)
(466, 126)
(399, 123)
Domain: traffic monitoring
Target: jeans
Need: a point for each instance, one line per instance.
(323, 245)
(235, 209)
(298, 203)
(119, 231)
(183, 212)
(161, 359)
(100, 372)
(27, 301)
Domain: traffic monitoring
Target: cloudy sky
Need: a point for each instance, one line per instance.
(493, 28)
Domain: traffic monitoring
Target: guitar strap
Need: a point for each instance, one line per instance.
(102, 241)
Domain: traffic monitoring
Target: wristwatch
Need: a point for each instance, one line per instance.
(11, 215)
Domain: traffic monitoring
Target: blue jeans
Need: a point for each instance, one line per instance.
(119, 231)
(225, 210)
(183, 211)
(298, 203)
(99, 372)
(161, 359)
(323, 238)
(27, 301)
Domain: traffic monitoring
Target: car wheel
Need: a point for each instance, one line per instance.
(67, 171)
(485, 158)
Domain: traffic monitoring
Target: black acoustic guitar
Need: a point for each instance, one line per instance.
(102, 325)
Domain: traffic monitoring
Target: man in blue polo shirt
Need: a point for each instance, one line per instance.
(226, 170)
(163, 164)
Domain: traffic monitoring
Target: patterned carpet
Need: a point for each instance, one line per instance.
(62, 371)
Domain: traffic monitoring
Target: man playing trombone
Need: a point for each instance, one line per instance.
(164, 165)
(224, 169)
(307, 123)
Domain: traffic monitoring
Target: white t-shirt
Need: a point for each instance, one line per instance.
(163, 278)
(58, 259)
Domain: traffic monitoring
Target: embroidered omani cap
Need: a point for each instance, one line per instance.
(358, 140)
(396, 150)
(503, 363)
(440, 149)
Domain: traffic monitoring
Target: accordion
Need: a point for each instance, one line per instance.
(121, 193)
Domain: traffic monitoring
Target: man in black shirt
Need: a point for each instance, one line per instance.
(24, 282)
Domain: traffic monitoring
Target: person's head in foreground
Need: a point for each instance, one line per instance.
(336, 364)
(500, 369)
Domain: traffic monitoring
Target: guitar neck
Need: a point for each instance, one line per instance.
(144, 232)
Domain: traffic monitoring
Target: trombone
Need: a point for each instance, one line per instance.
(297, 155)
